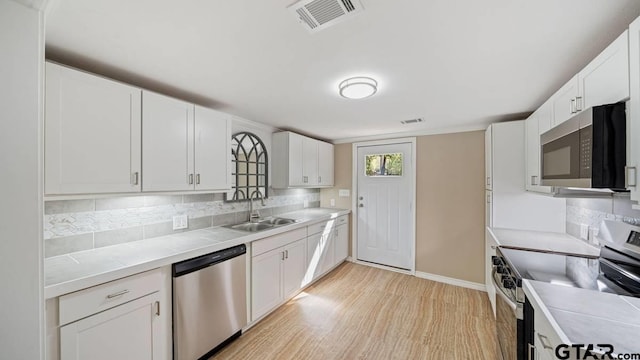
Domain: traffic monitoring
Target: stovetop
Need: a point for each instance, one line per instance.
(617, 270)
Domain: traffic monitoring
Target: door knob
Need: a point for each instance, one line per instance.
(361, 205)
(361, 198)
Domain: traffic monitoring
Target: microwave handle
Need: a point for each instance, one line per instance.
(630, 176)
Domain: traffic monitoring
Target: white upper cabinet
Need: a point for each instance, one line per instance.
(565, 102)
(300, 161)
(184, 147)
(488, 158)
(212, 149)
(92, 134)
(633, 132)
(536, 124)
(606, 79)
(325, 164)
(167, 143)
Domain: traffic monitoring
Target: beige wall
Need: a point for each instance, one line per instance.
(450, 205)
(450, 202)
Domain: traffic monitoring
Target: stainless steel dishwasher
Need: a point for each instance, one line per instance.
(209, 302)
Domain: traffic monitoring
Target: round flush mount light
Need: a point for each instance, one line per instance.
(358, 87)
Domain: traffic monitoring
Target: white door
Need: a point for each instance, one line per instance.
(385, 210)
(212, 144)
(129, 331)
(167, 143)
(92, 134)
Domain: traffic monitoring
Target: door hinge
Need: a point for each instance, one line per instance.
(157, 306)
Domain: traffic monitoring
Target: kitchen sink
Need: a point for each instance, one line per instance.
(278, 221)
(265, 224)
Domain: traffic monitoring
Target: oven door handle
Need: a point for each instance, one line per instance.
(510, 299)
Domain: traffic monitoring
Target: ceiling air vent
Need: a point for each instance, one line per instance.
(316, 15)
(412, 121)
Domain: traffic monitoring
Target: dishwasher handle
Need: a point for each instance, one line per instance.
(201, 262)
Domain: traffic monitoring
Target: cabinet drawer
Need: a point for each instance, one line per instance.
(90, 301)
(262, 246)
(321, 227)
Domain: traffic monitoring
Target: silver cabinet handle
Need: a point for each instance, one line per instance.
(305, 179)
(282, 253)
(534, 180)
(157, 303)
(135, 178)
(286, 252)
(488, 199)
(190, 179)
(117, 294)
(197, 179)
(545, 342)
(572, 106)
(579, 103)
(488, 180)
(630, 176)
(319, 179)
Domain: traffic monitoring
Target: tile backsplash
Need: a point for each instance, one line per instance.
(591, 212)
(76, 225)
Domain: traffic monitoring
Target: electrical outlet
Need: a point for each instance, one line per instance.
(584, 231)
(180, 222)
(333, 202)
(344, 192)
(305, 204)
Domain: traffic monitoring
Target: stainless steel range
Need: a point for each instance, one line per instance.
(616, 270)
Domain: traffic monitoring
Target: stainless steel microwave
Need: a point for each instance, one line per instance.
(586, 151)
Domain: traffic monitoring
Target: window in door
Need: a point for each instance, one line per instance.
(383, 164)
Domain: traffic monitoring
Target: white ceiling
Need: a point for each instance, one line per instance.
(456, 63)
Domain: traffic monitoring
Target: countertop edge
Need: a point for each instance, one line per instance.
(59, 289)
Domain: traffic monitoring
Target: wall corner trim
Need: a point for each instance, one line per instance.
(451, 281)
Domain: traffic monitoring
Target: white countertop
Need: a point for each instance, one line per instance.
(542, 241)
(80, 270)
(582, 316)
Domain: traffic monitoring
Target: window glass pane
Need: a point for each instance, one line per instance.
(383, 165)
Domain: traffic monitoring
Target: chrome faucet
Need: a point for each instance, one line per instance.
(254, 215)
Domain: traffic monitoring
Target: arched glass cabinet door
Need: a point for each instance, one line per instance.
(251, 164)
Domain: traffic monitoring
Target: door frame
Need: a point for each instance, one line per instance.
(354, 202)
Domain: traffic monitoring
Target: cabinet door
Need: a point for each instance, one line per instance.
(296, 160)
(487, 158)
(606, 79)
(212, 149)
(325, 164)
(633, 161)
(532, 154)
(167, 143)
(488, 208)
(92, 134)
(266, 291)
(128, 331)
(490, 250)
(341, 241)
(327, 260)
(318, 253)
(563, 102)
(309, 161)
(294, 267)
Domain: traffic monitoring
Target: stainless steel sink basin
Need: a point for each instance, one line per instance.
(251, 227)
(278, 221)
(265, 224)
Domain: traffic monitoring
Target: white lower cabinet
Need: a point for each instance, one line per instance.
(128, 318)
(129, 331)
(276, 274)
(490, 251)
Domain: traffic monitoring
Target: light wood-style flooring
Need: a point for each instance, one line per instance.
(360, 312)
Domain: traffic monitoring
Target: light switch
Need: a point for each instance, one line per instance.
(344, 193)
(333, 202)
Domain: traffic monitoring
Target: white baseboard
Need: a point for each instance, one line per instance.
(451, 281)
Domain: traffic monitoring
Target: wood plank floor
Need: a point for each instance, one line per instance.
(360, 312)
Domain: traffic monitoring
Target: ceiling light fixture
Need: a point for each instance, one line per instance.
(358, 87)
